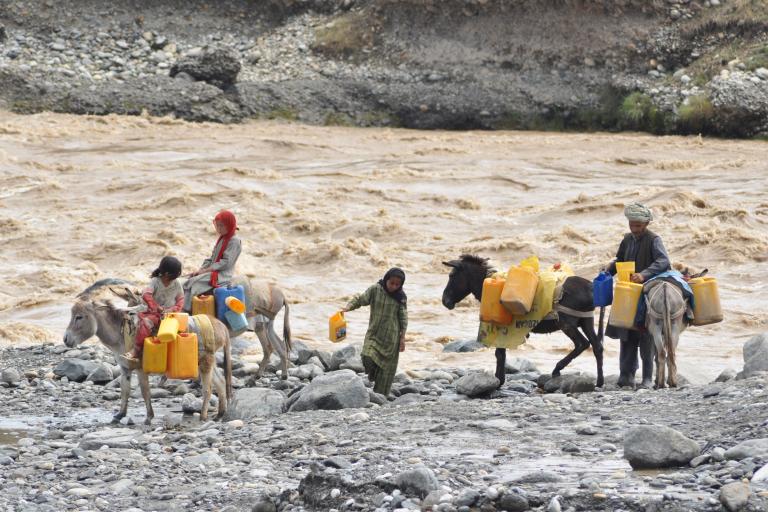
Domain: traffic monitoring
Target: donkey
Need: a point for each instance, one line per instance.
(263, 301)
(665, 322)
(94, 315)
(575, 311)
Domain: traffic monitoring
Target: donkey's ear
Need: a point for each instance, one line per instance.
(452, 263)
(127, 295)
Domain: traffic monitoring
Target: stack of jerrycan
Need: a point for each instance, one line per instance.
(626, 297)
(491, 308)
(520, 288)
(157, 354)
(706, 301)
(236, 321)
(337, 327)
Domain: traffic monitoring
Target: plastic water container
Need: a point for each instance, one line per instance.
(602, 290)
(235, 304)
(154, 357)
(706, 301)
(337, 327)
(624, 270)
(520, 290)
(221, 293)
(491, 309)
(169, 328)
(182, 357)
(203, 305)
(236, 321)
(626, 297)
(182, 318)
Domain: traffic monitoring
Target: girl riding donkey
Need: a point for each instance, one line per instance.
(220, 267)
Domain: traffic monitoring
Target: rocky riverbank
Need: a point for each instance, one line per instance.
(687, 66)
(446, 440)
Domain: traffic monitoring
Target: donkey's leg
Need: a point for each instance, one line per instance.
(221, 393)
(654, 331)
(125, 394)
(570, 328)
(266, 348)
(144, 385)
(206, 376)
(677, 328)
(588, 328)
(501, 365)
(279, 346)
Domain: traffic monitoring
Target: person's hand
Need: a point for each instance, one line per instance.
(344, 310)
(402, 343)
(637, 278)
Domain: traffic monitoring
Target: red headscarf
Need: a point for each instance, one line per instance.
(227, 218)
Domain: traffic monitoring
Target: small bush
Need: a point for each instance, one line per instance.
(345, 36)
(283, 113)
(695, 115)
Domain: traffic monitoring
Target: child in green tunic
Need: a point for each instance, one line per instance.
(385, 338)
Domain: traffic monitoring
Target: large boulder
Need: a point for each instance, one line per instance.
(346, 355)
(110, 437)
(102, 374)
(477, 384)
(755, 353)
(76, 370)
(657, 446)
(734, 496)
(520, 365)
(216, 66)
(255, 403)
(749, 448)
(342, 389)
(10, 376)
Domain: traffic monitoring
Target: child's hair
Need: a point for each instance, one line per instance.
(169, 266)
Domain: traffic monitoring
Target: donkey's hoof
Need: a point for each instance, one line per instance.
(600, 383)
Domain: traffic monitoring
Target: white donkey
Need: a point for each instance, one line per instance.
(665, 322)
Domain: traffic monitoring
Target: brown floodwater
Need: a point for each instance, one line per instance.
(325, 211)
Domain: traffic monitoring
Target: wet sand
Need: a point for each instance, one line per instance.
(325, 211)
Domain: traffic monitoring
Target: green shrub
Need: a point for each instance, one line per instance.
(695, 115)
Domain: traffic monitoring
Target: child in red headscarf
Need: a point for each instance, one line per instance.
(220, 267)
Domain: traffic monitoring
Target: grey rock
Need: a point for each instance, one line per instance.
(102, 374)
(476, 384)
(463, 346)
(377, 398)
(538, 477)
(348, 354)
(419, 480)
(206, 459)
(711, 391)
(761, 476)
(10, 376)
(191, 404)
(263, 504)
(513, 502)
(468, 498)
(726, 375)
(256, 403)
(336, 390)
(734, 496)
(111, 437)
(749, 448)
(755, 353)
(216, 66)
(76, 370)
(520, 365)
(657, 446)
(410, 398)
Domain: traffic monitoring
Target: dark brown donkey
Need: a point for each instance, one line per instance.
(467, 275)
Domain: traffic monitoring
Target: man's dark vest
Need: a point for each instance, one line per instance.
(644, 256)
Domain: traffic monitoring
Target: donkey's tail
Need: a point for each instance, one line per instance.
(667, 331)
(287, 326)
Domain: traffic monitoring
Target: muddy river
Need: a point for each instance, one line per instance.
(325, 211)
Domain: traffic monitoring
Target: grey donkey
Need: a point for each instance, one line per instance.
(665, 321)
(93, 315)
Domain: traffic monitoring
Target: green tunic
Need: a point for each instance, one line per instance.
(381, 349)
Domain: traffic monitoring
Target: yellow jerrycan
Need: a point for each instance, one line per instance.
(706, 301)
(624, 270)
(169, 328)
(182, 318)
(203, 305)
(182, 357)
(491, 309)
(626, 296)
(520, 288)
(155, 356)
(337, 327)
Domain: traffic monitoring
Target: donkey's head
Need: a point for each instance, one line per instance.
(467, 275)
(82, 323)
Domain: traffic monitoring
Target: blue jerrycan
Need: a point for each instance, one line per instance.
(602, 290)
(221, 295)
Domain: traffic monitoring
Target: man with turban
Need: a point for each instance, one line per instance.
(646, 249)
